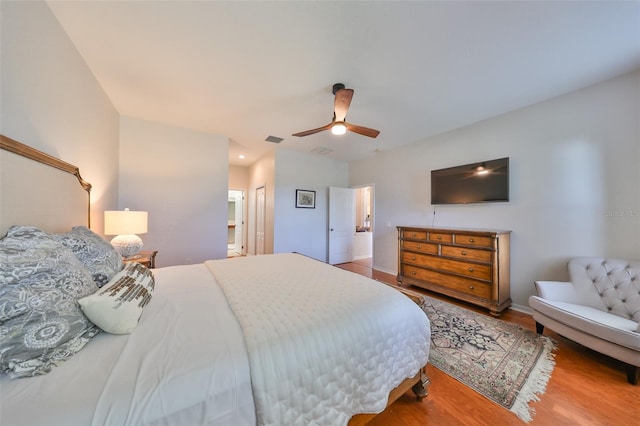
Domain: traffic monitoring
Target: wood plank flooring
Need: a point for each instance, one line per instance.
(586, 388)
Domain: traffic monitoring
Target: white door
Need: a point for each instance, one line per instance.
(239, 214)
(260, 202)
(342, 207)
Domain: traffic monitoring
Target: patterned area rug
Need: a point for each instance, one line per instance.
(502, 361)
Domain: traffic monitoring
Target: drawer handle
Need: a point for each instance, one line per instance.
(414, 235)
(471, 240)
(470, 269)
(470, 287)
(413, 272)
(413, 258)
(439, 237)
(419, 246)
(464, 253)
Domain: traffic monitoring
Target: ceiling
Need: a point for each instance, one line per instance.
(249, 70)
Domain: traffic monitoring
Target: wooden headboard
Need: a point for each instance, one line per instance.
(40, 190)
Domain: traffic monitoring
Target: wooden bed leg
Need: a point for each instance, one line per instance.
(420, 389)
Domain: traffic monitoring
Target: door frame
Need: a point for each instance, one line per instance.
(260, 220)
(243, 238)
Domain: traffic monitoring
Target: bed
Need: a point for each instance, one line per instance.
(271, 339)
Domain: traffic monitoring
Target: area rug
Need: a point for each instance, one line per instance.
(502, 361)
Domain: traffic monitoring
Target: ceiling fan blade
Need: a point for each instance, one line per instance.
(312, 131)
(372, 133)
(341, 103)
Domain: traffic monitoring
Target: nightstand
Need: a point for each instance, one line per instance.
(146, 258)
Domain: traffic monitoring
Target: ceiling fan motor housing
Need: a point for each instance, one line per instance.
(337, 86)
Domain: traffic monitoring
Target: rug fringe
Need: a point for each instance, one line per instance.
(536, 383)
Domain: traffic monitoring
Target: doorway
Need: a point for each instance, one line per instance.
(351, 224)
(363, 239)
(235, 224)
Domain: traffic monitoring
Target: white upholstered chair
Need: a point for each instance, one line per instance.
(599, 308)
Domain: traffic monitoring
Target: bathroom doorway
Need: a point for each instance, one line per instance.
(363, 239)
(235, 225)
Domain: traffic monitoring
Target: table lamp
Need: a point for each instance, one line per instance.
(125, 224)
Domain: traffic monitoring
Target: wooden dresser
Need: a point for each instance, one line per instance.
(467, 264)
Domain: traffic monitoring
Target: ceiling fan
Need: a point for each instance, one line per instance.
(340, 107)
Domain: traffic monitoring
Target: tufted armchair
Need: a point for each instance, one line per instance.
(599, 308)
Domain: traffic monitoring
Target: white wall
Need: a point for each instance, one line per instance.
(180, 177)
(51, 101)
(297, 229)
(574, 182)
(238, 177)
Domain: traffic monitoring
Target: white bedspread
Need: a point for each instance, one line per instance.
(185, 364)
(314, 357)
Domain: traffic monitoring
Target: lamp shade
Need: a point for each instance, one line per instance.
(125, 222)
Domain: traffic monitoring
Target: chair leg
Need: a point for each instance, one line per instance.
(539, 328)
(632, 374)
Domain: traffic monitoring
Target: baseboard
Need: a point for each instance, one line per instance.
(361, 257)
(386, 271)
(520, 308)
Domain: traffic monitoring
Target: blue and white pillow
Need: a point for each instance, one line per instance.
(96, 254)
(41, 323)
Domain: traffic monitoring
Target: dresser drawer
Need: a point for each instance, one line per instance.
(421, 247)
(440, 237)
(472, 270)
(461, 284)
(417, 258)
(414, 235)
(474, 240)
(467, 253)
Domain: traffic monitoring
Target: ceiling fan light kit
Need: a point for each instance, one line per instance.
(338, 125)
(339, 128)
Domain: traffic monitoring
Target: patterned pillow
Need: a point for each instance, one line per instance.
(96, 254)
(41, 323)
(117, 307)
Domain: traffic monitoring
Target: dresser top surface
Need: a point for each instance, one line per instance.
(453, 230)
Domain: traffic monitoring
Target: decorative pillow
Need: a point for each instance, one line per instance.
(117, 307)
(96, 254)
(41, 323)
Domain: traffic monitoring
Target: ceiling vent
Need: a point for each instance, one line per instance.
(321, 150)
(274, 139)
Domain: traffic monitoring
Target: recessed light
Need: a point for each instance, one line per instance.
(241, 156)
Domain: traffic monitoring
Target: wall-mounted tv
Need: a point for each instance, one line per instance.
(483, 182)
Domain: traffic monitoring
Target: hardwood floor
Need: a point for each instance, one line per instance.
(586, 388)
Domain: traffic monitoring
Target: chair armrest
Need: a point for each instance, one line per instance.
(559, 291)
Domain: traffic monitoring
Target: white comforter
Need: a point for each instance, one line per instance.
(185, 364)
(315, 358)
(309, 357)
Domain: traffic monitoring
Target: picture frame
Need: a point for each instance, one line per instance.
(305, 199)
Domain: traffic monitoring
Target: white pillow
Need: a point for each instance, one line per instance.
(117, 306)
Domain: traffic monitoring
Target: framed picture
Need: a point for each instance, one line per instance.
(305, 199)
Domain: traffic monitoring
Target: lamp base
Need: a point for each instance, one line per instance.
(127, 245)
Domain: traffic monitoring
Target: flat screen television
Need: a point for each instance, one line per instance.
(483, 182)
